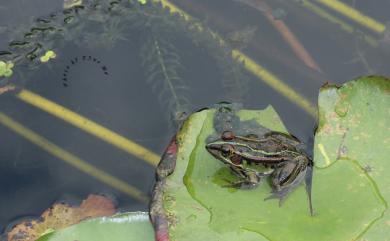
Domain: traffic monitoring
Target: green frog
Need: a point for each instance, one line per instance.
(275, 155)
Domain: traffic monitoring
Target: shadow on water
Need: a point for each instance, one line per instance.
(130, 68)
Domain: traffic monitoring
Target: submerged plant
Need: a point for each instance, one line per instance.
(111, 33)
(234, 79)
(161, 62)
(103, 23)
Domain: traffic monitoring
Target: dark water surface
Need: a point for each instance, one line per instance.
(110, 87)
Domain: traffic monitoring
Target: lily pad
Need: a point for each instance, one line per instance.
(346, 200)
(354, 127)
(122, 227)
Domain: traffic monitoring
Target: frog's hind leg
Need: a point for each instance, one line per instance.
(281, 193)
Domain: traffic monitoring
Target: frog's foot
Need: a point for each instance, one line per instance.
(279, 194)
(243, 184)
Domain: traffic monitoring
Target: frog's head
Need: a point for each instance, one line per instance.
(228, 149)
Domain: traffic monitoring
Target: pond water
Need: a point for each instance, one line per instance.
(102, 111)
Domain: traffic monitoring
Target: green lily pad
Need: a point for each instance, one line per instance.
(354, 126)
(346, 200)
(122, 227)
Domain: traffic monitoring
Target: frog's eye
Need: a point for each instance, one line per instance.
(226, 149)
(227, 136)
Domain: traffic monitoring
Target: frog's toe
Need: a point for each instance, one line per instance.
(281, 195)
(272, 196)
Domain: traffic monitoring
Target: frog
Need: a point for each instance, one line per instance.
(276, 155)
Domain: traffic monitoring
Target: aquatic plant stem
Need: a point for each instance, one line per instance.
(257, 70)
(339, 22)
(89, 126)
(288, 36)
(277, 84)
(258, 46)
(71, 159)
(166, 75)
(354, 15)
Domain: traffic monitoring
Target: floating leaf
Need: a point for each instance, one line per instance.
(354, 127)
(121, 227)
(6, 68)
(50, 54)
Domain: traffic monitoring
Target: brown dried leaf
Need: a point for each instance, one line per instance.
(62, 215)
(6, 88)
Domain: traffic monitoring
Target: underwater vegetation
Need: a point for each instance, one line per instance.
(147, 25)
(162, 65)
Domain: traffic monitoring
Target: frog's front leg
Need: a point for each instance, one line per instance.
(248, 180)
(238, 171)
